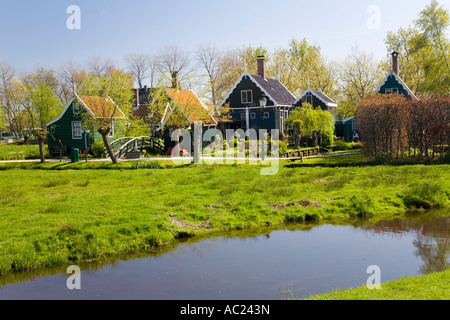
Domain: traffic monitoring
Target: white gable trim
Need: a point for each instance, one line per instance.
(184, 113)
(255, 82)
(84, 105)
(328, 104)
(399, 80)
(201, 103)
(61, 115)
(93, 115)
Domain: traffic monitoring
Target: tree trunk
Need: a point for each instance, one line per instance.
(109, 149)
(104, 130)
(40, 134)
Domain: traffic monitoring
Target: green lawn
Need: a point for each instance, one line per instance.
(60, 212)
(434, 286)
(20, 152)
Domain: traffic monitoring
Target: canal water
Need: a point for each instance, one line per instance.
(295, 261)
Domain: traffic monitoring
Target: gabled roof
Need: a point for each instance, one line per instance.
(101, 107)
(321, 96)
(400, 81)
(96, 106)
(272, 88)
(191, 106)
(280, 94)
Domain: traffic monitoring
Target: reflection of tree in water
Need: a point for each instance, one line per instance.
(432, 239)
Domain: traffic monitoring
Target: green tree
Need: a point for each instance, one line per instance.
(425, 50)
(360, 75)
(43, 106)
(316, 124)
(116, 85)
(300, 66)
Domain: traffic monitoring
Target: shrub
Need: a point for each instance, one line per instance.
(146, 165)
(98, 149)
(383, 159)
(362, 205)
(425, 195)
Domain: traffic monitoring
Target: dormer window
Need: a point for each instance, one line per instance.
(309, 98)
(246, 96)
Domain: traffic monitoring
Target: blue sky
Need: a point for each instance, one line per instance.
(35, 32)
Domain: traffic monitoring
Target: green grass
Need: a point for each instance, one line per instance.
(59, 213)
(20, 152)
(435, 286)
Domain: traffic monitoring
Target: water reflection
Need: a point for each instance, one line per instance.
(431, 238)
(301, 259)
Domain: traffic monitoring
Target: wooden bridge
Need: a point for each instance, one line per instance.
(124, 146)
(300, 154)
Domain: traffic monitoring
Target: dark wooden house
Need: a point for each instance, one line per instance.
(257, 102)
(393, 84)
(317, 99)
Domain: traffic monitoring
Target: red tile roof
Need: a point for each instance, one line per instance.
(101, 107)
(191, 106)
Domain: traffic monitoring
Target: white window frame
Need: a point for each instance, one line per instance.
(308, 95)
(247, 100)
(392, 90)
(253, 115)
(76, 108)
(286, 114)
(52, 130)
(74, 131)
(266, 115)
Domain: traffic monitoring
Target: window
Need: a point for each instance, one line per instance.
(247, 96)
(391, 90)
(243, 117)
(286, 114)
(52, 130)
(266, 115)
(76, 109)
(77, 133)
(309, 98)
(253, 115)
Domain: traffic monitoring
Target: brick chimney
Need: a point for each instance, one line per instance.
(175, 81)
(137, 97)
(395, 62)
(262, 66)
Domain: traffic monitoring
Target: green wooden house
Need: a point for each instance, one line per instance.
(67, 131)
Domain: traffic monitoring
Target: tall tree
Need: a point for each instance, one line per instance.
(100, 66)
(70, 75)
(208, 58)
(174, 59)
(300, 66)
(139, 64)
(360, 75)
(115, 85)
(425, 51)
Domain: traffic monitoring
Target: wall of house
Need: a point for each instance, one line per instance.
(246, 84)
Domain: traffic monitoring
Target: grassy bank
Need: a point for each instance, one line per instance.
(434, 286)
(20, 152)
(61, 213)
